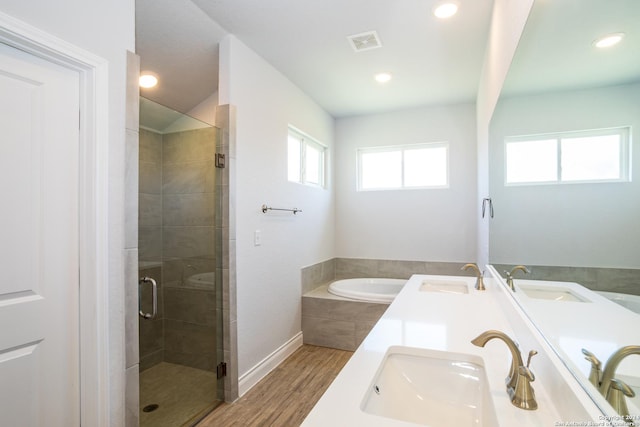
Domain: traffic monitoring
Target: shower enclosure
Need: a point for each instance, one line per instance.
(181, 337)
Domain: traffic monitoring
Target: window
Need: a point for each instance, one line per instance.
(407, 166)
(306, 159)
(586, 156)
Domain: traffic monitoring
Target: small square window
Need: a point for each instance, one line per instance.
(306, 159)
(425, 167)
(381, 169)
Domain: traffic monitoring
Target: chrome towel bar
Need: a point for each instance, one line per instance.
(266, 208)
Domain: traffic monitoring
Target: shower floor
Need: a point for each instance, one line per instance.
(183, 395)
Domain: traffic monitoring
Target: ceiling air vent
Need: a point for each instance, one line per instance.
(365, 41)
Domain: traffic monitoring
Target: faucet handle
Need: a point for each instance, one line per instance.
(480, 282)
(523, 396)
(509, 277)
(620, 385)
(616, 396)
(595, 375)
(524, 371)
(531, 354)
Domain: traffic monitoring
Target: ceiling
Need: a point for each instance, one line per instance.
(433, 62)
(177, 41)
(556, 52)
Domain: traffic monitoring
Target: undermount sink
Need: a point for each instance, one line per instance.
(552, 294)
(431, 387)
(444, 286)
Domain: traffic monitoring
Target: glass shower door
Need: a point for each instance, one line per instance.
(180, 345)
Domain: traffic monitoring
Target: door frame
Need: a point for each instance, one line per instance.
(92, 208)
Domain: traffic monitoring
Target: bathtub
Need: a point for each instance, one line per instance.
(630, 302)
(367, 289)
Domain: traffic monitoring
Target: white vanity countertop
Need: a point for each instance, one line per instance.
(437, 321)
(595, 323)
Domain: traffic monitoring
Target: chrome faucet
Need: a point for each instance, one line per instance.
(509, 275)
(479, 276)
(520, 376)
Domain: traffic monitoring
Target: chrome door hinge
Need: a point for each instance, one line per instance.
(220, 160)
(484, 204)
(221, 370)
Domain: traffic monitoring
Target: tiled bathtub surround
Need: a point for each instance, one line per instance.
(317, 274)
(336, 322)
(347, 268)
(623, 280)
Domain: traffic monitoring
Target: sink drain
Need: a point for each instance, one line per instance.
(150, 408)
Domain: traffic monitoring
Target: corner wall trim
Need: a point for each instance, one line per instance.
(268, 364)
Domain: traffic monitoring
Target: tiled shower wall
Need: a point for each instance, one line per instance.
(150, 197)
(177, 229)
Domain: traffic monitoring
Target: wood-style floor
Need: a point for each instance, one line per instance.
(287, 394)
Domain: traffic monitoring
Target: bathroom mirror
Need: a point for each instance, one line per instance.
(584, 232)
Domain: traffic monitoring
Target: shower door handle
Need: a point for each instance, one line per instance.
(154, 298)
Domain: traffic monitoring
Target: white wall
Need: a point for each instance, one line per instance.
(507, 23)
(586, 225)
(268, 276)
(106, 29)
(423, 225)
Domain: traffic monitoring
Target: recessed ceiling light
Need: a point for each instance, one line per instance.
(383, 77)
(445, 10)
(608, 40)
(148, 80)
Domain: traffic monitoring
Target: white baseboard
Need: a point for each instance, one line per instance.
(268, 364)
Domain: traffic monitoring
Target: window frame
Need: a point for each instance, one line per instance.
(402, 148)
(305, 140)
(624, 161)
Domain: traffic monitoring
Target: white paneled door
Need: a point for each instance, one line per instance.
(39, 274)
